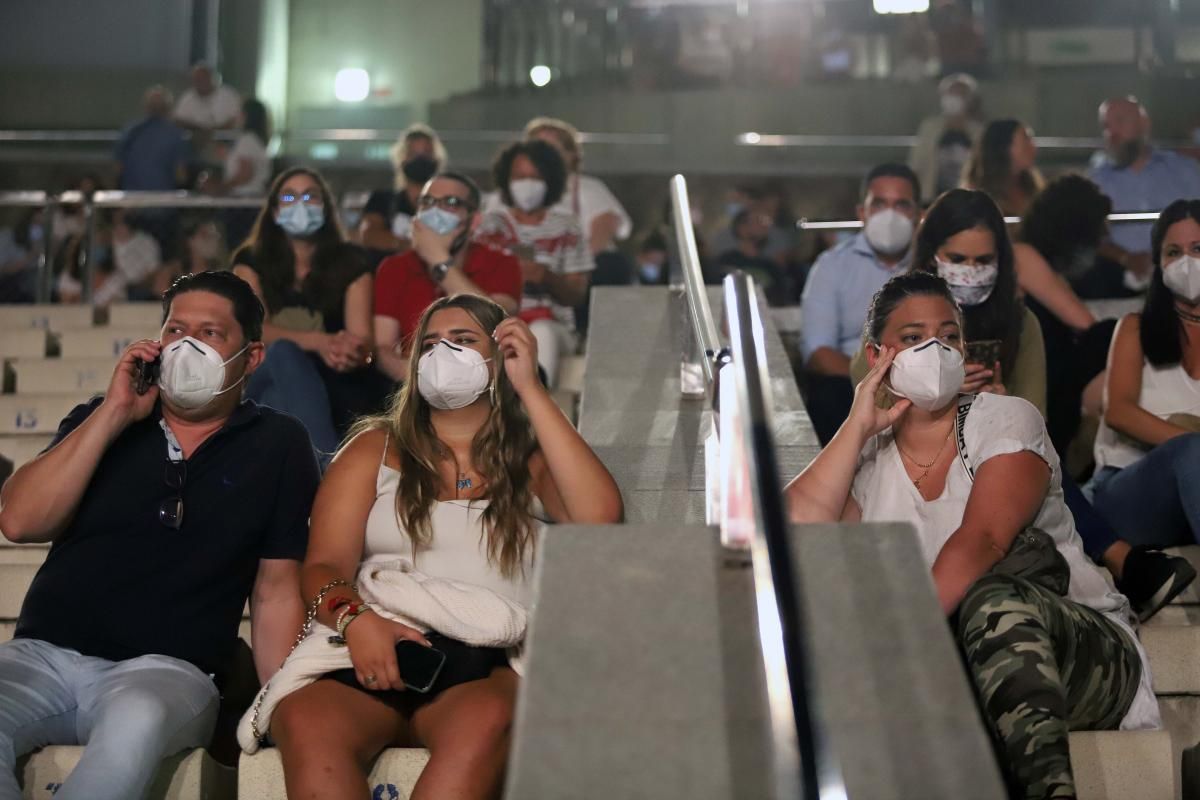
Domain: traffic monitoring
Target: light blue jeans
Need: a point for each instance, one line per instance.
(128, 714)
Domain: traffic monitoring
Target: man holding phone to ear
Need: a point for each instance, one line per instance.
(166, 509)
(443, 261)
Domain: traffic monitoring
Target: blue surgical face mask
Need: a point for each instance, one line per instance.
(650, 272)
(300, 219)
(439, 220)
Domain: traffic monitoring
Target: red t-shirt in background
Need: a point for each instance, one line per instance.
(403, 288)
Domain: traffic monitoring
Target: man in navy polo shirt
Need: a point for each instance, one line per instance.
(165, 511)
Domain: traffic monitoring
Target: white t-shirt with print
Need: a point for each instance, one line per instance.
(586, 197)
(250, 148)
(558, 243)
(997, 425)
(219, 108)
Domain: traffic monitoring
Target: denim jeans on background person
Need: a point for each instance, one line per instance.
(1156, 500)
(128, 714)
(288, 381)
(1094, 529)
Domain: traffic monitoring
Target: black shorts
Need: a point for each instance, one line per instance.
(464, 663)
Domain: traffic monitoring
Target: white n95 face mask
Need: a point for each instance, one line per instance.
(527, 193)
(929, 374)
(450, 377)
(193, 373)
(888, 231)
(1182, 277)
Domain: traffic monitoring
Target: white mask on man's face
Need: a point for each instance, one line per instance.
(888, 232)
(929, 374)
(193, 373)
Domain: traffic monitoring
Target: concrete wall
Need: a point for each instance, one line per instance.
(416, 52)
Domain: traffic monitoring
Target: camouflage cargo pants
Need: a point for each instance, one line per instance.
(1043, 666)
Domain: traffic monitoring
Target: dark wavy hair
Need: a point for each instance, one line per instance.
(270, 252)
(1162, 331)
(990, 166)
(1067, 216)
(546, 160)
(1002, 314)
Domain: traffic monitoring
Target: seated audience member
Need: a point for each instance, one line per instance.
(386, 224)
(247, 169)
(601, 214)
(202, 250)
(152, 156)
(840, 286)
(317, 290)
(454, 481)
(443, 261)
(1057, 251)
(21, 247)
(207, 105)
(124, 259)
(1148, 448)
(777, 244)
(749, 254)
(963, 240)
(166, 510)
(1049, 644)
(1003, 164)
(1137, 176)
(549, 242)
(944, 142)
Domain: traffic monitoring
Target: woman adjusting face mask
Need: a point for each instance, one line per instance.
(193, 373)
(451, 377)
(929, 374)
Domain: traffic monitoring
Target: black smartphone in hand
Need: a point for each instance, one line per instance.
(147, 374)
(419, 665)
(984, 351)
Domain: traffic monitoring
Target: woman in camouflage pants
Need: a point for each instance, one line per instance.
(1049, 643)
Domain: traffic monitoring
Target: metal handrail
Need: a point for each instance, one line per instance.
(801, 140)
(854, 224)
(804, 764)
(181, 199)
(104, 199)
(700, 313)
(348, 135)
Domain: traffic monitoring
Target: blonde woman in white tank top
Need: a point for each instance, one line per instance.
(455, 476)
(1148, 447)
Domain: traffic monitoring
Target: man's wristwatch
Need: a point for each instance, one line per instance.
(438, 271)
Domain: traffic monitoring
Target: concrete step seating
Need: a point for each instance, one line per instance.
(191, 775)
(74, 376)
(103, 342)
(36, 413)
(47, 316)
(23, 447)
(24, 342)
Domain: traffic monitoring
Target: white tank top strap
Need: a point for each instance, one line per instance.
(383, 473)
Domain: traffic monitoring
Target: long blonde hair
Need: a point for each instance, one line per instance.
(500, 451)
